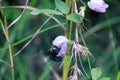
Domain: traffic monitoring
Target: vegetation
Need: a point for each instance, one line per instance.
(28, 28)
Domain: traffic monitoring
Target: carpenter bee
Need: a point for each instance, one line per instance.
(53, 54)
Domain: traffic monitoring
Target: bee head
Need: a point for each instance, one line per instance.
(54, 52)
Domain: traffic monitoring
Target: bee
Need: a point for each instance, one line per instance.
(53, 52)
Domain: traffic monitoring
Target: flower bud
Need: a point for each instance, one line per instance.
(82, 12)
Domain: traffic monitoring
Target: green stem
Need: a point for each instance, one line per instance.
(4, 62)
(11, 61)
(89, 64)
(5, 30)
(71, 23)
(13, 74)
(67, 62)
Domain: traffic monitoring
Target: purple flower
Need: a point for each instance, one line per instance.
(60, 42)
(98, 5)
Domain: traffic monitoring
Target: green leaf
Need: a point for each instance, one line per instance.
(104, 78)
(30, 36)
(118, 76)
(96, 73)
(73, 17)
(42, 77)
(45, 11)
(62, 7)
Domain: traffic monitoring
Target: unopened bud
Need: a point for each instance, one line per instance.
(82, 12)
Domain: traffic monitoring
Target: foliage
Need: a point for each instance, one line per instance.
(24, 56)
(96, 74)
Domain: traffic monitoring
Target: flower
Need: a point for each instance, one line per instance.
(60, 42)
(98, 5)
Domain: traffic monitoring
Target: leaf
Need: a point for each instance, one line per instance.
(45, 72)
(96, 73)
(30, 36)
(104, 78)
(73, 17)
(45, 11)
(118, 76)
(62, 7)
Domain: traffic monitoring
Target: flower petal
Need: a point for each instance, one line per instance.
(63, 49)
(59, 40)
(98, 5)
(105, 5)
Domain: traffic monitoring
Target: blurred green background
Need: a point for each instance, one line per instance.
(104, 42)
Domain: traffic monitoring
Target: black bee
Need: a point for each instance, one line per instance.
(53, 54)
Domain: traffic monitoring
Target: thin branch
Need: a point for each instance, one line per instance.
(19, 15)
(83, 68)
(55, 73)
(84, 43)
(20, 7)
(35, 34)
(52, 70)
(32, 8)
(57, 21)
(4, 62)
(5, 30)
